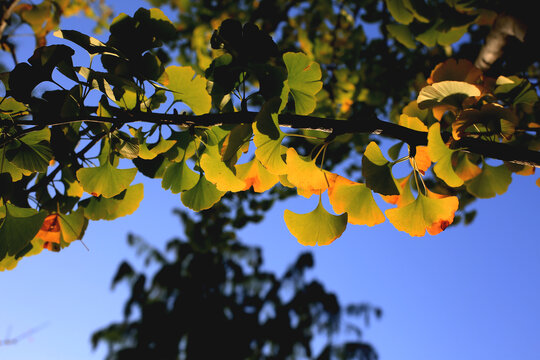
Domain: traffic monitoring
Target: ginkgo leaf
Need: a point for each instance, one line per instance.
(179, 177)
(236, 141)
(255, 175)
(218, 173)
(446, 92)
(105, 179)
(150, 151)
(317, 227)
(202, 196)
(188, 88)
(403, 34)
(15, 172)
(125, 203)
(31, 157)
(442, 155)
(356, 199)
(427, 212)
(492, 181)
(399, 11)
(73, 226)
(303, 82)
(268, 137)
(378, 171)
(303, 172)
(18, 227)
(405, 193)
(50, 233)
(184, 146)
(466, 169)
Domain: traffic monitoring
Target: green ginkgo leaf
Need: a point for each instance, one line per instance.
(202, 196)
(378, 171)
(403, 34)
(179, 177)
(317, 227)
(17, 228)
(150, 151)
(268, 137)
(125, 203)
(492, 181)
(442, 155)
(188, 88)
(7, 167)
(356, 199)
(105, 180)
(184, 146)
(31, 157)
(399, 11)
(303, 82)
(72, 226)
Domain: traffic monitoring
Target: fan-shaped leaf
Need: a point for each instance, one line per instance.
(188, 88)
(106, 179)
(317, 227)
(429, 213)
(356, 200)
(442, 155)
(378, 171)
(303, 82)
(202, 196)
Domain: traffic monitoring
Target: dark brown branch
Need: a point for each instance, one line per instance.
(371, 125)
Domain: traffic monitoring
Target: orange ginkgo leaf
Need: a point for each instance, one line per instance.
(255, 175)
(356, 199)
(457, 70)
(50, 233)
(431, 212)
(405, 194)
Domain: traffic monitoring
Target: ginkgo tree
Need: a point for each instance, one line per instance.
(247, 115)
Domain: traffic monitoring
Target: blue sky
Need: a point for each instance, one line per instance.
(471, 292)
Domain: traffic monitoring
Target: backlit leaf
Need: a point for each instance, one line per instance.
(189, 88)
(303, 81)
(425, 213)
(356, 200)
(255, 175)
(218, 173)
(179, 177)
(317, 227)
(268, 137)
(125, 203)
(442, 155)
(202, 196)
(105, 179)
(492, 181)
(446, 92)
(378, 171)
(17, 228)
(304, 173)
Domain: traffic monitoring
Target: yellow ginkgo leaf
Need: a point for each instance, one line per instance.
(317, 227)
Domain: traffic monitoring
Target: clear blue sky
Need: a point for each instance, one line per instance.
(470, 293)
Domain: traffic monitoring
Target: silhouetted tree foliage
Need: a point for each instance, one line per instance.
(211, 298)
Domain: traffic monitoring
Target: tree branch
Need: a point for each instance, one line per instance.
(368, 125)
